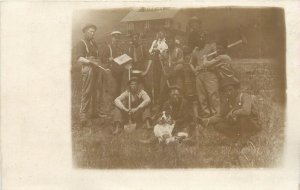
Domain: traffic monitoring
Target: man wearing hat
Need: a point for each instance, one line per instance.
(238, 116)
(221, 64)
(179, 109)
(111, 51)
(87, 55)
(195, 38)
(139, 101)
(172, 64)
(207, 83)
(140, 61)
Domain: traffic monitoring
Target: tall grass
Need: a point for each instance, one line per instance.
(95, 147)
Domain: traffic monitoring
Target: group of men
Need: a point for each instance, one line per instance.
(134, 97)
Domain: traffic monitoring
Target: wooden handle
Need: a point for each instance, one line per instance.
(229, 46)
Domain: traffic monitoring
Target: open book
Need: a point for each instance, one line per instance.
(122, 59)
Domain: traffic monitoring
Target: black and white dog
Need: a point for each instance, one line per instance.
(164, 128)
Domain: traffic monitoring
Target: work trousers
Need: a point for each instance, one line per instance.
(207, 86)
(244, 126)
(139, 117)
(90, 89)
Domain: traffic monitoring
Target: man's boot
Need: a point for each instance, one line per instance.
(117, 128)
(148, 124)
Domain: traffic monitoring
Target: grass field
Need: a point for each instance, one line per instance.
(95, 146)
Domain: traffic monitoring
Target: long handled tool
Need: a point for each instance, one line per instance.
(164, 72)
(130, 126)
(102, 67)
(243, 40)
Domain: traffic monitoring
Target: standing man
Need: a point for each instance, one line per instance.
(172, 65)
(87, 55)
(139, 111)
(113, 81)
(196, 35)
(207, 84)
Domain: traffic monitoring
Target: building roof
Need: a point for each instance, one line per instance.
(134, 16)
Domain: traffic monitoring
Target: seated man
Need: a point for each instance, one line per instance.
(238, 115)
(139, 101)
(179, 110)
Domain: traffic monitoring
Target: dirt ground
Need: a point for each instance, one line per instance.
(95, 146)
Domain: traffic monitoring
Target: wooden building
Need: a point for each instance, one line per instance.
(148, 21)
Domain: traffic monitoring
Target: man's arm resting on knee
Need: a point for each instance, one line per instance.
(119, 99)
(146, 100)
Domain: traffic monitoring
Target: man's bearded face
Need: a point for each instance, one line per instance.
(90, 33)
(133, 86)
(135, 39)
(230, 91)
(175, 96)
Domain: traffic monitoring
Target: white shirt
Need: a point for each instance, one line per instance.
(140, 95)
(158, 44)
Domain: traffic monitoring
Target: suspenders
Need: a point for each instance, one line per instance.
(110, 51)
(87, 49)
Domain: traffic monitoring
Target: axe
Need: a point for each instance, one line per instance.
(243, 40)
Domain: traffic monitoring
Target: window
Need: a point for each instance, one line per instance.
(167, 23)
(147, 24)
(131, 26)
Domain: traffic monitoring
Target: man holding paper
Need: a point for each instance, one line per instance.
(110, 53)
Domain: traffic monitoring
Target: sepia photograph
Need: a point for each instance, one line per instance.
(145, 95)
(175, 88)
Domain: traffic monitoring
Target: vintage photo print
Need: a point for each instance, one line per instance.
(171, 88)
(147, 95)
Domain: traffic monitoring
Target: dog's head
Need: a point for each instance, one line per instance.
(164, 118)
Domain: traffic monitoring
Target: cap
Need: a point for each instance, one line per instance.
(87, 26)
(133, 79)
(114, 33)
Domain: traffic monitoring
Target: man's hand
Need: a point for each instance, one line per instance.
(133, 110)
(199, 67)
(110, 58)
(231, 116)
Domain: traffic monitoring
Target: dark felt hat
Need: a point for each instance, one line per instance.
(174, 87)
(231, 81)
(133, 79)
(87, 26)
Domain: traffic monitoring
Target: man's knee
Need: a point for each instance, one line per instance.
(117, 115)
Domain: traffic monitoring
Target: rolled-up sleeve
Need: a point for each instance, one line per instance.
(146, 99)
(119, 99)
